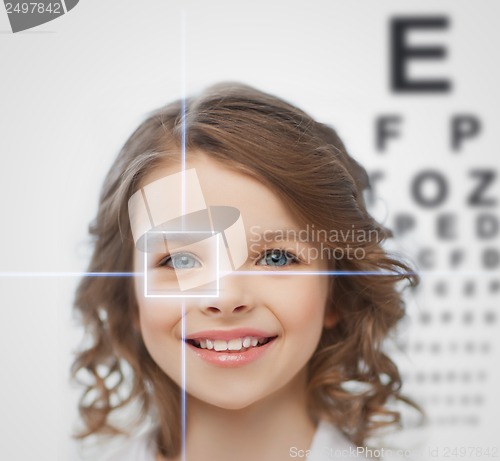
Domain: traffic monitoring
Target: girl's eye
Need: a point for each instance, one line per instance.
(277, 258)
(180, 261)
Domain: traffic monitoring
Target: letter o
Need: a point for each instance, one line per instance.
(424, 177)
(362, 251)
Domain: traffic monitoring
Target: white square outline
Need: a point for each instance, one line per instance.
(202, 295)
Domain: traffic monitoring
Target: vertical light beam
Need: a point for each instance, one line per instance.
(183, 209)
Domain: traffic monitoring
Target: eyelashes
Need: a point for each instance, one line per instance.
(181, 260)
(276, 257)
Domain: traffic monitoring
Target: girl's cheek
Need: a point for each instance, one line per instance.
(158, 323)
(297, 300)
(157, 315)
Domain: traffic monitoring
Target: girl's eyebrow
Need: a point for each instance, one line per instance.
(159, 241)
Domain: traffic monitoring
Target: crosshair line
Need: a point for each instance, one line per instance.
(277, 272)
(61, 274)
(222, 274)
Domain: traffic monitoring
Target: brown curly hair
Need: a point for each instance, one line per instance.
(307, 164)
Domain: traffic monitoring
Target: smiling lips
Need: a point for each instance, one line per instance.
(230, 348)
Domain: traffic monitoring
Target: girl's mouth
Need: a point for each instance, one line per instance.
(231, 348)
(236, 345)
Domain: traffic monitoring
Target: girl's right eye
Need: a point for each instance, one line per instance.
(180, 261)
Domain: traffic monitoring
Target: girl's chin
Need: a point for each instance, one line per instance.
(228, 402)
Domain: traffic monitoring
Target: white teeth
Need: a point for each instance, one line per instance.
(220, 345)
(234, 344)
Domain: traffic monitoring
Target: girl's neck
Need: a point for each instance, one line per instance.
(267, 429)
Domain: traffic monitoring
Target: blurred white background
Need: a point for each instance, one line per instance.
(72, 90)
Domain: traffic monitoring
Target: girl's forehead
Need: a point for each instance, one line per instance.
(214, 184)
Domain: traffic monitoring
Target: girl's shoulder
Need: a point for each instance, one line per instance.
(138, 448)
(330, 444)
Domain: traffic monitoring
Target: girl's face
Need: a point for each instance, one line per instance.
(269, 300)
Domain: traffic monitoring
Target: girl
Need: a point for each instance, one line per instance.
(253, 324)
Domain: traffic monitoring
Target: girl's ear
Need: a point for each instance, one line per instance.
(332, 315)
(136, 324)
(331, 318)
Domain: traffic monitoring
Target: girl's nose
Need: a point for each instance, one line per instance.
(234, 298)
(222, 309)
